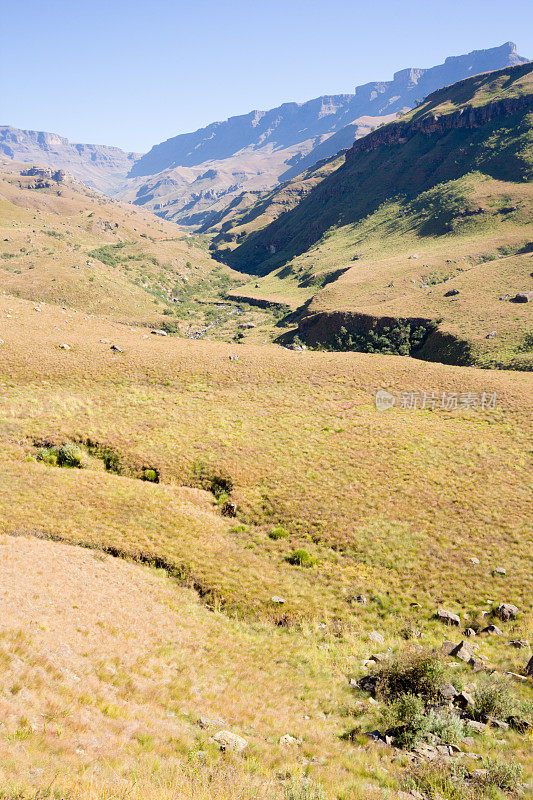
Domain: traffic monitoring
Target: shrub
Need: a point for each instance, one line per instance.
(493, 698)
(301, 558)
(47, 455)
(416, 671)
(279, 532)
(506, 776)
(411, 725)
(70, 455)
(151, 475)
(447, 725)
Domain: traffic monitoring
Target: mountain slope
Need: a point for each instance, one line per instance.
(453, 178)
(192, 177)
(99, 166)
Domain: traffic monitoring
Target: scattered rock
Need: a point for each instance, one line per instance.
(497, 723)
(519, 724)
(277, 600)
(506, 612)
(522, 297)
(492, 630)
(470, 632)
(448, 617)
(478, 727)
(230, 741)
(210, 722)
(463, 652)
(519, 643)
(159, 333)
(464, 700)
(288, 741)
(447, 647)
(376, 637)
(448, 691)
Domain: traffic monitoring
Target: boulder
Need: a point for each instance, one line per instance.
(451, 293)
(506, 612)
(448, 691)
(447, 647)
(210, 722)
(463, 652)
(519, 643)
(492, 630)
(448, 617)
(529, 667)
(522, 297)
(470, 632)
(230, 741)
(477, 727)
(464, 700)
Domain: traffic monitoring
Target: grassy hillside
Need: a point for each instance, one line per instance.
(63, 243)
(333, 499)
(425, 200)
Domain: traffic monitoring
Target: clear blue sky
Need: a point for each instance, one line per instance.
(133, 73)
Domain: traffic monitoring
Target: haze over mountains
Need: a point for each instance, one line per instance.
(190, 178)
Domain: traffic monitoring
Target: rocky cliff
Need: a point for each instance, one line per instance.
(99, 166)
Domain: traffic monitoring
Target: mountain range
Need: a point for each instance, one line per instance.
(191, 178)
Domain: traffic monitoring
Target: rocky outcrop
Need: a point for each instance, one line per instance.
(400, 132)
(98, 166)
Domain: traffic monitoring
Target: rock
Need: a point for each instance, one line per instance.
(492, 630)
(500, 571)
(288, 741)
(379, 658)
(64, 347)
(497, 723)
(529, 667)
(376, 736)
(474, 560)
(451, 293)
(159, 333)
(516, 676)
(519, 643)
(506, 612)
(464, 700)
(353, 683)
(229, 509)
(477, 727)
(105, 341)
(522, 297)
(116, 349)
(448, 617)
(491, 335)
(519, 724)
(463, 652)
(210, 722)
(277, 600)
(476, 664)
(447, 647)
(448, 691)
(470, 632)
(361, 599)
(368, 683)
(230, 741)
(233, 358)
(376, 637)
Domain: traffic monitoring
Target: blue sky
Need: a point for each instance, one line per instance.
(133, 73)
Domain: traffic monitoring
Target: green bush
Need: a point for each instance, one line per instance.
(279, 532)
(493, 698)
(47, 455)
(410, 723)
(414, 671)
(447, 725)
(301, 558)
(70, 455)
(150, 475)
(506, 776)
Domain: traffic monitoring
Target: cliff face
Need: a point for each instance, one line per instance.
(401, 132)
(254, 152)
(98, 166)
